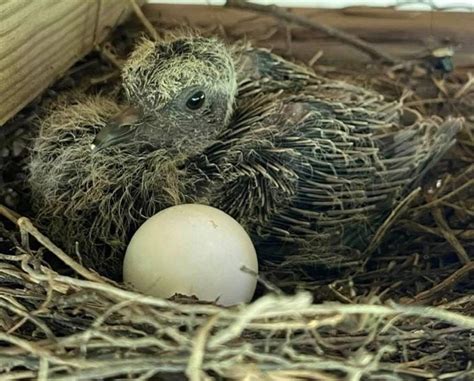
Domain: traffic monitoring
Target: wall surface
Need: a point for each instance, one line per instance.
(402, 34)
(40, 40)
(427, 5)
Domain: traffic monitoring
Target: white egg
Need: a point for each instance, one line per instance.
(193, 250)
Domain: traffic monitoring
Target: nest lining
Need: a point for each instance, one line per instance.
(66, 322)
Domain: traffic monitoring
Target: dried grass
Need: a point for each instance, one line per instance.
(407, 316)
(69, 328)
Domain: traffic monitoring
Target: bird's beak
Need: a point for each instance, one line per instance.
(118, 130)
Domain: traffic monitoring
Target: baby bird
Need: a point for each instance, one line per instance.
(311, 167)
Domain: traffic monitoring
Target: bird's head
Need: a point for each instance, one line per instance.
(180, 93)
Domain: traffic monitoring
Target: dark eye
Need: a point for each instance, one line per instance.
(196, 100)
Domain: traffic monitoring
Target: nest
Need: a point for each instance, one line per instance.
(406, 314)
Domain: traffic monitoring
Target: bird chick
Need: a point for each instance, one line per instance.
(186, 87)
(311, 167)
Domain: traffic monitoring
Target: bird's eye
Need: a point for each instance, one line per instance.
(196, 100)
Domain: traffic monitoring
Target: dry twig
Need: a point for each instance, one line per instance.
(340, 35)
(447, 283)
(147, 24)
(26, 226)
(449, 236)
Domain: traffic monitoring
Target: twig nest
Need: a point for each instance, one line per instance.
(193, 250)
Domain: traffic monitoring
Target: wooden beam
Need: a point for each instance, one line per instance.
(399, 33)
(41, 39)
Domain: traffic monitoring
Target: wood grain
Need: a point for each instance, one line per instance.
(399, 33)
(41, 39)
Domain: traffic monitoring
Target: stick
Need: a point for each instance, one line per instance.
(109, 56)
(449, 236)
(9, 214)
(26, 225)
(449, 282)
(391, 219)
(340, 35)
(147, 24)
(194, 369)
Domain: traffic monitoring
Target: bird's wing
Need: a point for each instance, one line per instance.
(260, 70)
(322, 172)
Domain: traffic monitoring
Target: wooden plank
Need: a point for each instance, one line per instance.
(41, 39)
(400, 33)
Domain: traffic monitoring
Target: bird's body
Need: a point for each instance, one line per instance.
(302, 162)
